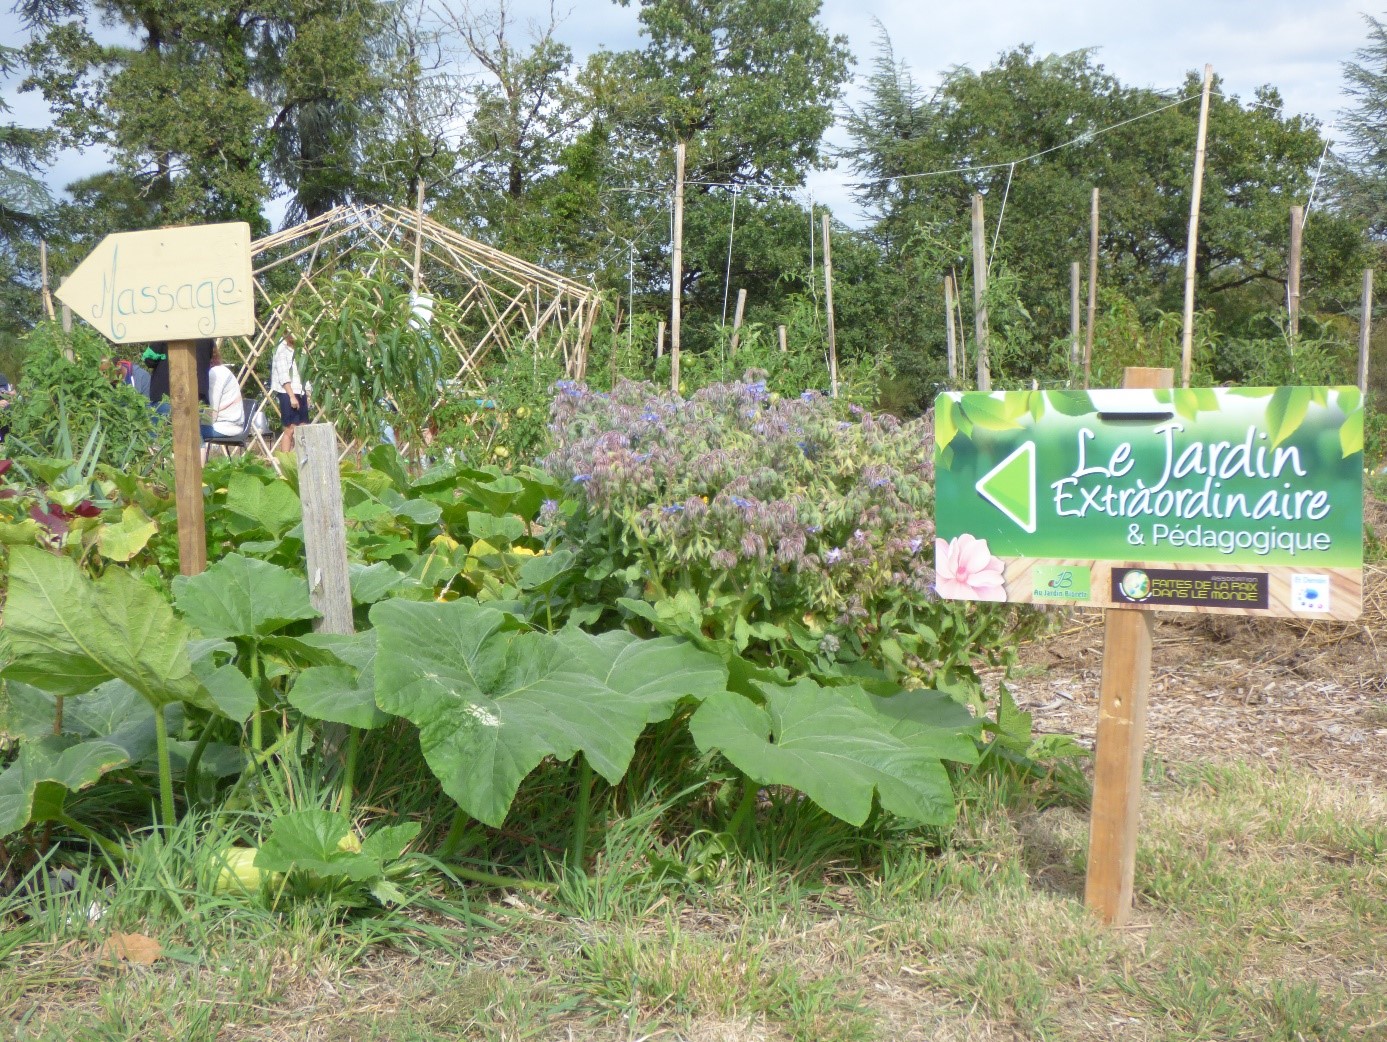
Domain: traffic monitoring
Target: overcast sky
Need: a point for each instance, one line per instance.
(1298, 46)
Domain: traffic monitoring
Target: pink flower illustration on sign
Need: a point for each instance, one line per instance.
(964, 569)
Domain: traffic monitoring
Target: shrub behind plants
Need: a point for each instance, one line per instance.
(800, 534)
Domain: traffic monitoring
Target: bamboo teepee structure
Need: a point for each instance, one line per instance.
(502, 303)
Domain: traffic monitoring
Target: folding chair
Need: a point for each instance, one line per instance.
(242, 438)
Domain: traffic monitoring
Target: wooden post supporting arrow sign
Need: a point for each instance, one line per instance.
(176, 285)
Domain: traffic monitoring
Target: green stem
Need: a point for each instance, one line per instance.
(344, 796)
(452, 842)
(109, 848)
(486, 878)
(740, 823)
(257, 732)
(578, 846)
(194, 759)
(58, 715)
(161, 745)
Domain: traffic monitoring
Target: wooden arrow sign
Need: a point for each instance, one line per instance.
(169, 284)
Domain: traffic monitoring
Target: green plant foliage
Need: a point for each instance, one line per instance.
(35, 787)
(312, 841)
(340, 694)
(67, 634)
(242, 597)
(492, 700)
(841, 745)
(60, 399)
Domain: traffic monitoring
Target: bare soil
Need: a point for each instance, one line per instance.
(1282, 691)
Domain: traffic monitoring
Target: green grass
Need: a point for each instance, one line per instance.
(1261, 908)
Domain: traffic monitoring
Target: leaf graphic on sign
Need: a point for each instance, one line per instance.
(1286, 412)
(989, 413)
(1351, 434)
(944, 426)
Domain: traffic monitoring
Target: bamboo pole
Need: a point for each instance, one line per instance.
(737, 321)
(660, 340)
(1293, 270)
(1191, 250)
(418, 232)
(1092, 288)
(1075, 323)
(980, 294)
(677, 267)
(828, 306)
(951, 343)
(1365, 330)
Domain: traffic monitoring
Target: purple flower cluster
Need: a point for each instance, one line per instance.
(808, 515)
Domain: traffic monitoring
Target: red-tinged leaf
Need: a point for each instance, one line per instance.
(55, 521)
(5, 465)
(87, 508)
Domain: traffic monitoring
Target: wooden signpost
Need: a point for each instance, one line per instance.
(176, 285)
(1244, 500)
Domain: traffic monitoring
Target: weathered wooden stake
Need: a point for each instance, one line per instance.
(1365, 330)
(1092, 288)
(418, 233)
(187, 457)
(950, 343)
(324, 527)
(980, 295)
(1075, 323)
(1293, 270)
(783, 346)
(1191, 249)
(660, 340)
(1121, 738)
(677, 268)
(828, 307)
(43, 279)
(737, 321)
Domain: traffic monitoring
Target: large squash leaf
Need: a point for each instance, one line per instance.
(242, 597)
(35, 786)
(491, 702)
(839, 746)
(67, 633)
(340, 694)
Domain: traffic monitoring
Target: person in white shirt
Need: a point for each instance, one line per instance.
(226, 408)
(288, 388)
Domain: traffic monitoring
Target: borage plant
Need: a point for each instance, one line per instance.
(785, 529)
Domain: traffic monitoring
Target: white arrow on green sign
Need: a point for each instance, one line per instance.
(1010, 486)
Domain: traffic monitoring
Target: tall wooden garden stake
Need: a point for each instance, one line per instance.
(1293, 270)
(780, 330)
(1191, 249)
(958, 317)
(1365, 330)
(980, 294)
(1075, 323)
(43, 279)
(187, 458)
(828, 307)
(660, 340)
(949, 340)
(677, 268)
(67, 321)
(1112, 835)
(324, 528)
(737, 321)
(1092, 288)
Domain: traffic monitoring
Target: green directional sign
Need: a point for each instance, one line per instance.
(1010, 486)
(1245, 499)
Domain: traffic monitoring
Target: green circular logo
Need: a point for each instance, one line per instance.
(1136, 585)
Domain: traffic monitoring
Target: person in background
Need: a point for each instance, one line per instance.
(156, 357)
(289, 390)
(6, 395)
(226, 408)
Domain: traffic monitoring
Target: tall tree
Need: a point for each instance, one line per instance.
(23, 201)
(1361, 174)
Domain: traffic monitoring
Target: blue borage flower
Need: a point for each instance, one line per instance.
(833, 556)
(582, 479)
(738, 501)
(674, 508)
